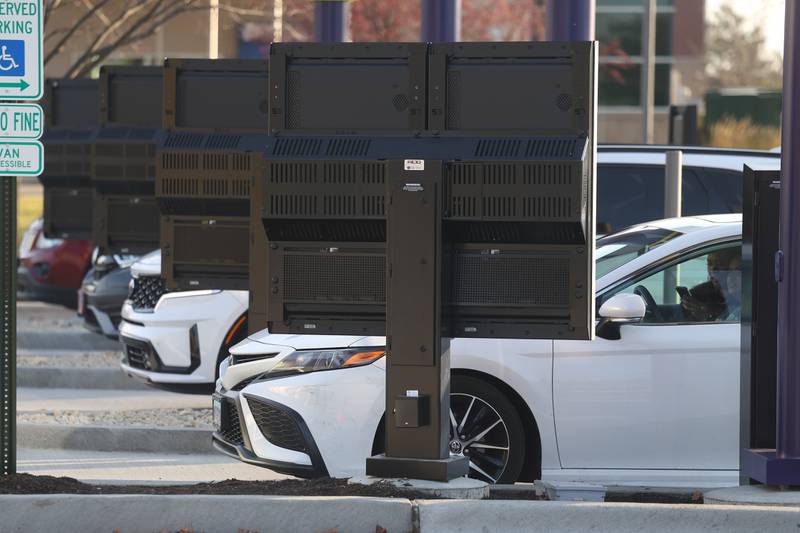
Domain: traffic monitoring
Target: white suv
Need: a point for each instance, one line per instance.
(176, 339)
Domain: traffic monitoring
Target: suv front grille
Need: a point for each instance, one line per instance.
(277, 426)
(231, 430)
(146, 292)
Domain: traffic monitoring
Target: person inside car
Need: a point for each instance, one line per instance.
(714, 300)
(733, 293)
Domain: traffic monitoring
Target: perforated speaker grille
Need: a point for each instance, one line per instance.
(510, 280)
(334, 278)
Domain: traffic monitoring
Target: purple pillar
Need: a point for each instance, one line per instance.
(441, 21)
(788, 411)
(782, 465)
(330, 21)
(570, 20)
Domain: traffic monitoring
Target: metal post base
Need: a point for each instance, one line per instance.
(430, 469)
(766, 467)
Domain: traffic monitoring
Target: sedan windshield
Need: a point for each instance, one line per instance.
(615, 250)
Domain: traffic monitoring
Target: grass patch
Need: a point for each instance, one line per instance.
(742, 133)
(30, 206)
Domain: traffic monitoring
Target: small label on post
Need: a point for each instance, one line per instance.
(414, 164)
(412, 393)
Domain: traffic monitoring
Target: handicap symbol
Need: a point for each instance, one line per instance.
(12, 57)
(6, 61)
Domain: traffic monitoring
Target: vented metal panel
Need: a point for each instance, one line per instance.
(64, 159)
(123, 161)
(316, 190)
(510, 280)
(334, 278)
(204, 175)
(531, 192)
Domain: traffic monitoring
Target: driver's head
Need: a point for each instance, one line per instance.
(734, 279)
(718, 265)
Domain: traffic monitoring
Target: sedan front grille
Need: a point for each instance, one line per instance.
(146, 292)
(231, 430)
(277, 426)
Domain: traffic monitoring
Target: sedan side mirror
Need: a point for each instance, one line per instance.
(618, 310)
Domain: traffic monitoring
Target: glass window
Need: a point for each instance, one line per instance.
(694, 196)
(724, 188)
(628, 195)
(616, 250)
(620, 34)
(705, 287)
(619, 84)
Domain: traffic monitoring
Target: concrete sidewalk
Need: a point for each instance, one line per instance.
(121, 468)
(38, 399)
(147, 513)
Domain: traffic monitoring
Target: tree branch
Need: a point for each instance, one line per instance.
(59, 46)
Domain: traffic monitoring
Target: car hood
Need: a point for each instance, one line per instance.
(313, 342)
(148, 265)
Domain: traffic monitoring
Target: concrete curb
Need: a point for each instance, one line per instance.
(445, 516)
(753, 495)
(145, 513)
(148, 513)
(114, 439)
(46, 377)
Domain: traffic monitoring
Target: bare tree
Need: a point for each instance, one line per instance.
(737, 55)
(103, 27)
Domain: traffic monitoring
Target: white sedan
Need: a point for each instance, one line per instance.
(653, 400)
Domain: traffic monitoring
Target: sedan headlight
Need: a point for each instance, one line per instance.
(302, 362)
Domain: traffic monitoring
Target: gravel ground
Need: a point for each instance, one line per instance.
(32, 316)
(174, 418)
(72, 359)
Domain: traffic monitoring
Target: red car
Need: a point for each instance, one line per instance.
(51, 270)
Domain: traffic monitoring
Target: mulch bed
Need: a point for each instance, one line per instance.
(30, 484)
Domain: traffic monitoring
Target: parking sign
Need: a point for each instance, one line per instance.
(21, 49)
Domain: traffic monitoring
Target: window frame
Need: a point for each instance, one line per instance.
(664, 263)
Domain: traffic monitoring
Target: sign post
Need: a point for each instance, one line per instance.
(21, 154)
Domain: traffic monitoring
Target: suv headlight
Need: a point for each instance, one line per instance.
(302, 362)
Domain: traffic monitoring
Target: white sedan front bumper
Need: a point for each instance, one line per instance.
(316, 424)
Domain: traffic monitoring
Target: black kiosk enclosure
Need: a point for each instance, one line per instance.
(480, 224)
(126, 218)
(71, 120)
(215, 120)
(759, 313)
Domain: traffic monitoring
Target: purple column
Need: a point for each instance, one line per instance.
(788, 411)
(441, 21)
(781, 466)
(570, 20)
(330, 21)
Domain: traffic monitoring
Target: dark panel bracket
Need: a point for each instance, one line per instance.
(418, 358)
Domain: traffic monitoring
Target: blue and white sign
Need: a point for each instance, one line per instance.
(21, 49)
